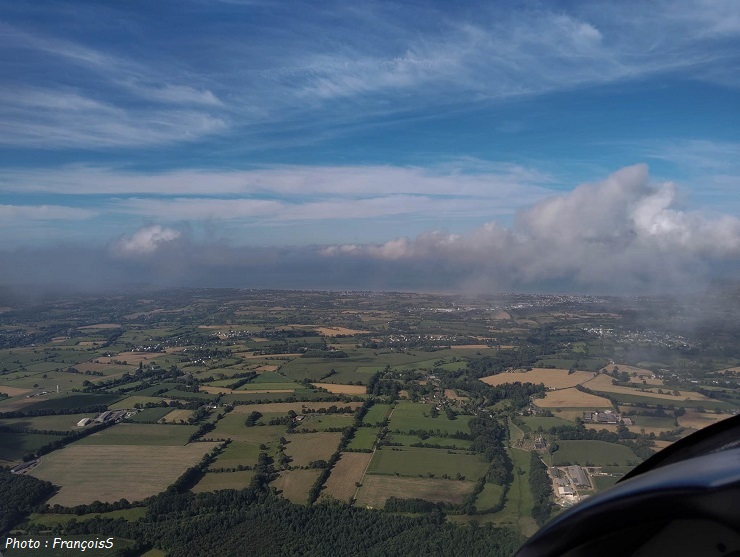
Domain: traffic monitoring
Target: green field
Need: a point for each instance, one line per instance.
(622, 398)
(224, 480)
(364, 438)
(489, 498)
(408, 416)
(238, 453)
(447, 442)
(74, 401)
(603, 482)
(322, 422)
(517, 511)
(150, 415)
(376, 414)
(666, 422)
(141, 434)
(13, 446)
(536, 422)
(416, 461)
(65, 422)
(232, 426)
(596, 453)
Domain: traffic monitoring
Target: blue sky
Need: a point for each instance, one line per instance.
(369, 130)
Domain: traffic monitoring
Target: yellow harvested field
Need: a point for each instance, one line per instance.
(376, 490)
(101, 326)
(14, 391)
(112, 472)
(285, 407)
(225, 391)
(662, 444)
(267, 368)
(306, 447)
(604, 383)
(470, 346)
(699, 420)
(295, 484)
(571, 398)
(346, 472)
(552, 378)
(342, 389)
(175, 416)
(502, 315)
(252, 355)
(733, 369)
(334, 331)
(88, 343)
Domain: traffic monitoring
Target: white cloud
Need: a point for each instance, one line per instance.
(15, 214)
(145, 241)
(622, 229)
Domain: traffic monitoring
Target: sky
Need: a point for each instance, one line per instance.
(569, 146)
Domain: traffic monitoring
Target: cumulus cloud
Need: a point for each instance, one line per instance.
(618, 234)
(144, 241)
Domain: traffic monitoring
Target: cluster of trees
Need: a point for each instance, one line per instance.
(541, 487)
(489, 438)
(414, 505)
(378, 385)
(20, 495)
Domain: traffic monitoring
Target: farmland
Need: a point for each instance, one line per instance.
(110, 472)
(381, 395)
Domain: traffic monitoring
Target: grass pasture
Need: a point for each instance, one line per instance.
(517, 511)
(295, 484)
(376, 414)
(285, 407)
(238, 453)
(141, 434)
(376, 490)
(346, 472)
(413, 461)
(322, 422)
(364, 438)
(65, 422)
(489, 498)
(14, 445)
(447, 442)
(149, 415)
(77, 400)
(306, 447)
(110, 473)
(224, 480)
(544, 422)
(409, 416)
(597, 453)
(551, 378)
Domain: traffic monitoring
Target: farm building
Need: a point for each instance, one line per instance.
(103, 416)
(578, 476)
(83, 422)
(567, 490)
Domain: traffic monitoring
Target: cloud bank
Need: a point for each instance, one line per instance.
(621, 235)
